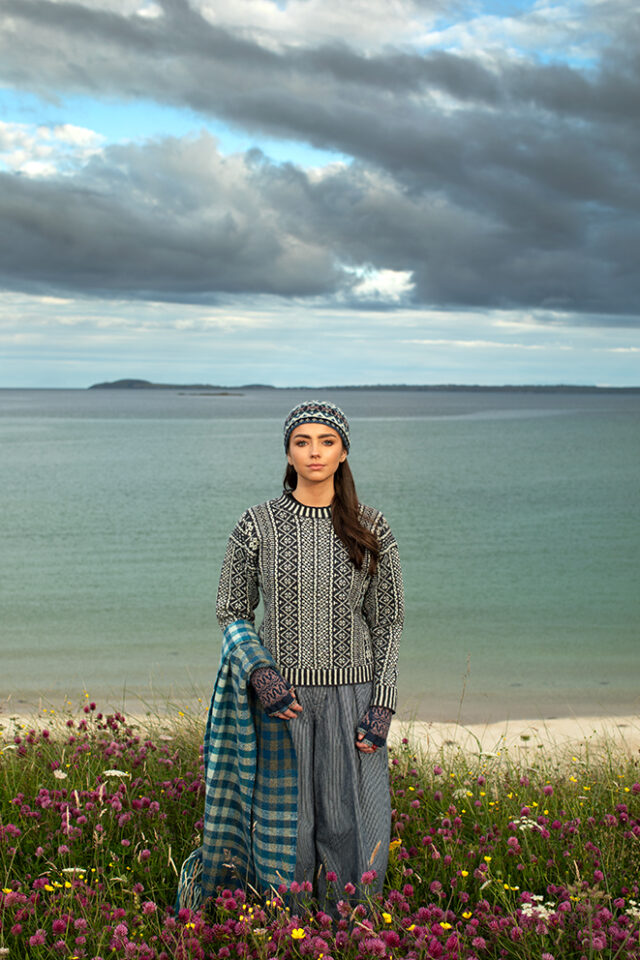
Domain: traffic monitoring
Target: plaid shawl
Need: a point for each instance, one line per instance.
(251, 784)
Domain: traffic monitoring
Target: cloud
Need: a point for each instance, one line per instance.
(388, 286)
(488, 174)
(175, 220)
(43, 151)
(80, 341)
(170, 220)
(482, 344)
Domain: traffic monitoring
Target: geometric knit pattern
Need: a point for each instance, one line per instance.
(251, 784)
(317, 411)
(325, 622)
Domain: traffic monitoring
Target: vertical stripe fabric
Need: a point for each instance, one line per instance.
(344, 807)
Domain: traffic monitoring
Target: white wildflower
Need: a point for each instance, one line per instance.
(116, 773)
(537, 911)
(526, 823)
(633, 910)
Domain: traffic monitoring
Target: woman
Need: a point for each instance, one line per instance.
(318, 679)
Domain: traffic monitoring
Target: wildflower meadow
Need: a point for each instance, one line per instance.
(490, 857)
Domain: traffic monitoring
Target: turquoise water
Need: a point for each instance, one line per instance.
(517, 516)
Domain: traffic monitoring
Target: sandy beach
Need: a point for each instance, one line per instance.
(560, 736)
(518, 739)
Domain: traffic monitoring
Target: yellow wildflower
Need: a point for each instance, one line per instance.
(446, 926)
(387, 917)
(298, 933)
(467, 915)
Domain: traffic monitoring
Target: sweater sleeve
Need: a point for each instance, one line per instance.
(383, 610)
(238, 590)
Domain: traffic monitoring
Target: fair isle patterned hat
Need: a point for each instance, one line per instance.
(317, 411)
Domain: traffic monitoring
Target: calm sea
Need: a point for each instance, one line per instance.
(517, 516)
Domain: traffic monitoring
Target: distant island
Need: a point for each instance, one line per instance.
(211, 389)
(208, 389)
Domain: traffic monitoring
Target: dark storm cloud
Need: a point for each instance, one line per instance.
(501, 183)
(162, 221)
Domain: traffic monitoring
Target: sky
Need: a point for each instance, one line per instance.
(315, 192)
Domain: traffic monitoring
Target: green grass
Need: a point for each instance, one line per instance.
(491, 856)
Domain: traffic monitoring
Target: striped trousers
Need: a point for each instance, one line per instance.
(344, 808)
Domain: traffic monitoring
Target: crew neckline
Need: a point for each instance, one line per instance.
(302, 510)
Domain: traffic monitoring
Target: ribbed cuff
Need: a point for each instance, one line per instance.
(384, 696)
(281, 705)
(372, 738)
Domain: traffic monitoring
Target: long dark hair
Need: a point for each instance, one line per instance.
(345, 514)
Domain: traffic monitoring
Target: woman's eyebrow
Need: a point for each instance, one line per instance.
(307, 436)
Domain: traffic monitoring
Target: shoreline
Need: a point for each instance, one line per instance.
(559, 735)
(422, 709)
(525, 738)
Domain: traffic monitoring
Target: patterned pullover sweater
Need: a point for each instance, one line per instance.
(325, 622)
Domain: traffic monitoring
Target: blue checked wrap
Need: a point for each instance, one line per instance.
(251, 783)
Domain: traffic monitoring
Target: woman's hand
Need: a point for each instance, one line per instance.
(291, 712)
(373, 729)
(275, 694)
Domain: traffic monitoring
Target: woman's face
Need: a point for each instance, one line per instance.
(315, 451)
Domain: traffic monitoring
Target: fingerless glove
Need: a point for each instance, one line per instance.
(375, 726)
(272, 690)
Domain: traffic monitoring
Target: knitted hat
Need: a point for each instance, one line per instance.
(317, 411)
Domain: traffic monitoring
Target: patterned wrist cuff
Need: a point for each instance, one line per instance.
(372, 738)
(281, 705)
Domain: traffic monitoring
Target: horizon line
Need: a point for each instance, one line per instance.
(125, 384)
